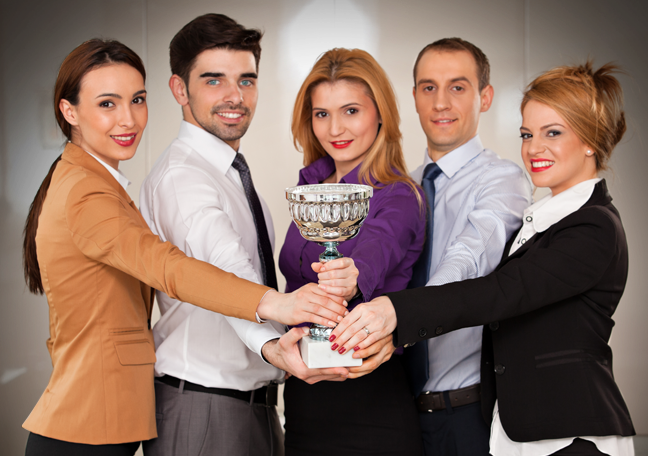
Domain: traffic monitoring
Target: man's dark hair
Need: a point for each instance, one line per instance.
(210, 31)
(457, 44)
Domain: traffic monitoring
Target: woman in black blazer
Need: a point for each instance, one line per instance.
(547, 381)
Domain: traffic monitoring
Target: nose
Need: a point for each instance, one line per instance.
(441, 101)
(535, 145)
(336, 126)
(234, 95)
(127, 120)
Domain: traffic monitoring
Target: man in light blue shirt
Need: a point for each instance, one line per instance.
(478, 201)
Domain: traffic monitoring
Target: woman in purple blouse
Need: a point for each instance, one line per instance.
(346, 122)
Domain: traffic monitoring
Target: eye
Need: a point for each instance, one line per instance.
(106, 104)
(525, 136)
(351, 111)
(458, 89)
(139, 100)
(320, 114)
(247, 83)
(428, 88)
(213, 82)
(553, 133)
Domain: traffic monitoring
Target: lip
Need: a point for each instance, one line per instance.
(541, 164)
(122, 139)
(341, 144)
(443, 122)
(233, 120)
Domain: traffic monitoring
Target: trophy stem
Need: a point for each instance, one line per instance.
(331, 252)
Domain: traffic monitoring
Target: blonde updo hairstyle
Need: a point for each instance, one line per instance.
(384, 162)
(591, 102)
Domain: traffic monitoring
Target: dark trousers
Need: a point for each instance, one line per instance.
(37, 445)
(458, 431)
(579, 447)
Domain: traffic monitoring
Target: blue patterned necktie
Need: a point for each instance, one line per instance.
(263, 239)
(421, 271)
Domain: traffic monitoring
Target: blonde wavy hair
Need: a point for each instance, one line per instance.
(384, 161)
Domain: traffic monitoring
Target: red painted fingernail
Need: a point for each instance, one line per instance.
(332, 338)
(356, 348)
(334, 346)
(341, 350)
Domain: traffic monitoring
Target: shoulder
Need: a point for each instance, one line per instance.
(493, 165)
(181, 167)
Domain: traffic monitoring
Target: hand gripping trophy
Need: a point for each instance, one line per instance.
(327, 214)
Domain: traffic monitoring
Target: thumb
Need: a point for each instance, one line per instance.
(294, 335)
(317, 267)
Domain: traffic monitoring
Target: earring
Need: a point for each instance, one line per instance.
(589, 152)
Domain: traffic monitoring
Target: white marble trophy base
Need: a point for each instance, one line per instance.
(317, 353)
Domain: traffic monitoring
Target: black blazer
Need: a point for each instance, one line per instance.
(548, 310)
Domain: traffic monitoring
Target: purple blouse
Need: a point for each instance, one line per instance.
(389, 243)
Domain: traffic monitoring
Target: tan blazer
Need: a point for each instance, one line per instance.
(98, 261)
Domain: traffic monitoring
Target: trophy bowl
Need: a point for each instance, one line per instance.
(328, 214)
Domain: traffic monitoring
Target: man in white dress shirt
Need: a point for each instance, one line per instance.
(476, 202)
(215, 392)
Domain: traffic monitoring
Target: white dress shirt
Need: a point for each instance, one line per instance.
(478, 205)
(117, 174)
(538, 218)
(194, 199)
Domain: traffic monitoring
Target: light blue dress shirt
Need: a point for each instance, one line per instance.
(478, 205)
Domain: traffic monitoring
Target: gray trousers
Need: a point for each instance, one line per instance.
(202, 424)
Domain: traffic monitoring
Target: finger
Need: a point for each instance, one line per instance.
(336, 291)
(294, 335)
(353, 342)
(317, 266)
(315, 292)
(340, 263)
(342, 333)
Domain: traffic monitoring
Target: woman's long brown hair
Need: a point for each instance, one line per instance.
(88, 56)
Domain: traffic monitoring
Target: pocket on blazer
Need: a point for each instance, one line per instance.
(135, 352)
(569, 357)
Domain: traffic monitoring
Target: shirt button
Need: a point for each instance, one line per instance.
(499, 369)
(529, 218)
(422, 332)
(439, 330)
(494, 326)
(522, 241)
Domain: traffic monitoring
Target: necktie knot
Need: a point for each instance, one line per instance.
(240, 164)
(431, 172)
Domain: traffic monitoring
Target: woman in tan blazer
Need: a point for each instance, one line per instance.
(89, 250)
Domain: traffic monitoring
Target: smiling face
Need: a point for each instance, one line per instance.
(345, 121)
(109, 119)
(553, 154)
(222, 94)
(448, 100)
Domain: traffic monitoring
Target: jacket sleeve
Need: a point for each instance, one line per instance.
(578, 253)
(108, 230)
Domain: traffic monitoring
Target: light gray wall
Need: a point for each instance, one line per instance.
(521, 38)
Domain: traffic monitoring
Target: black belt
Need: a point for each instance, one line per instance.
(429, 401)
(266, 395)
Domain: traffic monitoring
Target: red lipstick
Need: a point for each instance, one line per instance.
(341, 144)
(125, 140)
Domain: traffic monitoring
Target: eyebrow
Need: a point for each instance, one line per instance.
(459, 79)
(220, 75)
(115, 95)
(544, 127)
(355, 103)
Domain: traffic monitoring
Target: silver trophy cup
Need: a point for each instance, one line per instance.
(328, 214)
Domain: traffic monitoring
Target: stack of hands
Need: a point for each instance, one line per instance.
(365, 330)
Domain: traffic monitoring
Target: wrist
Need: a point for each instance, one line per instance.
(265, 309)
(268, 349)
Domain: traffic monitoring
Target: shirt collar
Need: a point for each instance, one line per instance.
(323, 167)
(116, 173)
(456, 159)
(210, 147)
(552, 209)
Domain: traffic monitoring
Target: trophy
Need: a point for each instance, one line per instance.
(327, 214)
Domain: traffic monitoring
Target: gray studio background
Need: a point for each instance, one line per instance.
(520, 37)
